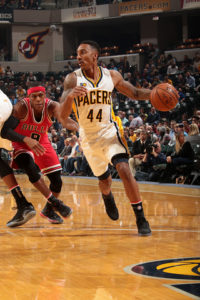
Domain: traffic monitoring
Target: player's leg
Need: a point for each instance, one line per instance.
(26, 162)
(25, 209)
(132, 192)
(105, 182)
(55, 187)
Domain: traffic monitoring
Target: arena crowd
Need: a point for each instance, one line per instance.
(163, 146)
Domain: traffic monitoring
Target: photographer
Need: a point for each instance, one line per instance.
(154, 161)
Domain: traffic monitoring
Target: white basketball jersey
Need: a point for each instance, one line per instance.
(5, 112)
(93, 111)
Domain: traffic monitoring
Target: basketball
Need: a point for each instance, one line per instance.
(164, 97)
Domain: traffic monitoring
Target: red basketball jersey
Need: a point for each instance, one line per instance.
(48, 162)
(32, 128)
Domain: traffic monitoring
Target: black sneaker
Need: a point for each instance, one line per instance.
(50, 214)
(143, 227)
(23, 215)
(64, 210)
(111, 208)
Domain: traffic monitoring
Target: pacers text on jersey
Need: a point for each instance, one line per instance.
(95, 97)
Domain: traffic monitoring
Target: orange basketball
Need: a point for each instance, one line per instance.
(164, 97)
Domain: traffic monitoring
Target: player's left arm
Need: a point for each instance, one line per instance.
(127, 89)
(54, 111)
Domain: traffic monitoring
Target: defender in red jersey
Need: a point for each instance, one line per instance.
(34, 148)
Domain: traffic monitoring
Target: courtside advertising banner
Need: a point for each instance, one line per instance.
(143, 6)
(185, 4)
(84, 13)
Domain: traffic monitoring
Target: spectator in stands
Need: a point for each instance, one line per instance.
(132, 134)
(72, 157)
(193, 134)
(167, 147)
(172, 131)
(23, 4)
(136, 122)
(154, 161)
(184, 153)
(63, 156)
(153, 116)
(20, 92)
(31, 78)
(13, 99)
(122, 116)
(9, 72)
(196, 120)
(190, 80)
(172, 69)
(139, 147)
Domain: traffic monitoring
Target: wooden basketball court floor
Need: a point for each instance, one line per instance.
(90, 257)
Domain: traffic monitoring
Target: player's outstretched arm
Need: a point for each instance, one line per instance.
(127, 89)
(70, 92)
(54, 111)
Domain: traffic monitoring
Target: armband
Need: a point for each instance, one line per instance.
(8, 133)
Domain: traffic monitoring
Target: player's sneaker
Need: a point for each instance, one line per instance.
(111, 208)
(49, 213)
(23, 215)
(143, 227)
(64, 210)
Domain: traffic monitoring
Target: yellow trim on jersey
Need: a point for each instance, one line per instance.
(94, 84)
(75, 110)
(121, 129)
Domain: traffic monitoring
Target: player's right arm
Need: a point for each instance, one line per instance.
(127, 89)
(71, 91)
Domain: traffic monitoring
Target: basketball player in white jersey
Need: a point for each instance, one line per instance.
(27, 210)
(88, 91)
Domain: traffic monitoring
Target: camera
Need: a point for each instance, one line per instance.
(149, 148)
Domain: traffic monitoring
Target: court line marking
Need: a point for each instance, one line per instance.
(97, 229)
(173, 288)
(149, 191)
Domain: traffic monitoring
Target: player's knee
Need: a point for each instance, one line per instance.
(56, 182)
(105, 180)
(4, 168)
(26, 162)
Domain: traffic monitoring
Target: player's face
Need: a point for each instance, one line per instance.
(86, 56)
(37, 101)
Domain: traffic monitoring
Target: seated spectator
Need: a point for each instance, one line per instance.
(20, 92)
(30, 78)
(75, 156)
(180, 128)
(23, 4)
(153, 116)
(132, 134)
(196, 120)
(154, 161)
(84, 168)
(193, 135)
(190, 80)
(13, 99)
(136, 122)
(65, 153)
(167, 147)
(139, 147)
(184, 153)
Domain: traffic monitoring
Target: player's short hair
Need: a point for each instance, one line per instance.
(93, 44)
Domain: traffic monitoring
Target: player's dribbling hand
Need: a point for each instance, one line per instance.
(78, 91)
(34, 145)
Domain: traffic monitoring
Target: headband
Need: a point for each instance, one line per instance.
(36, 89)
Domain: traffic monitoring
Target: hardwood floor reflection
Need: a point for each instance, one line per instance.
(86, 257)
